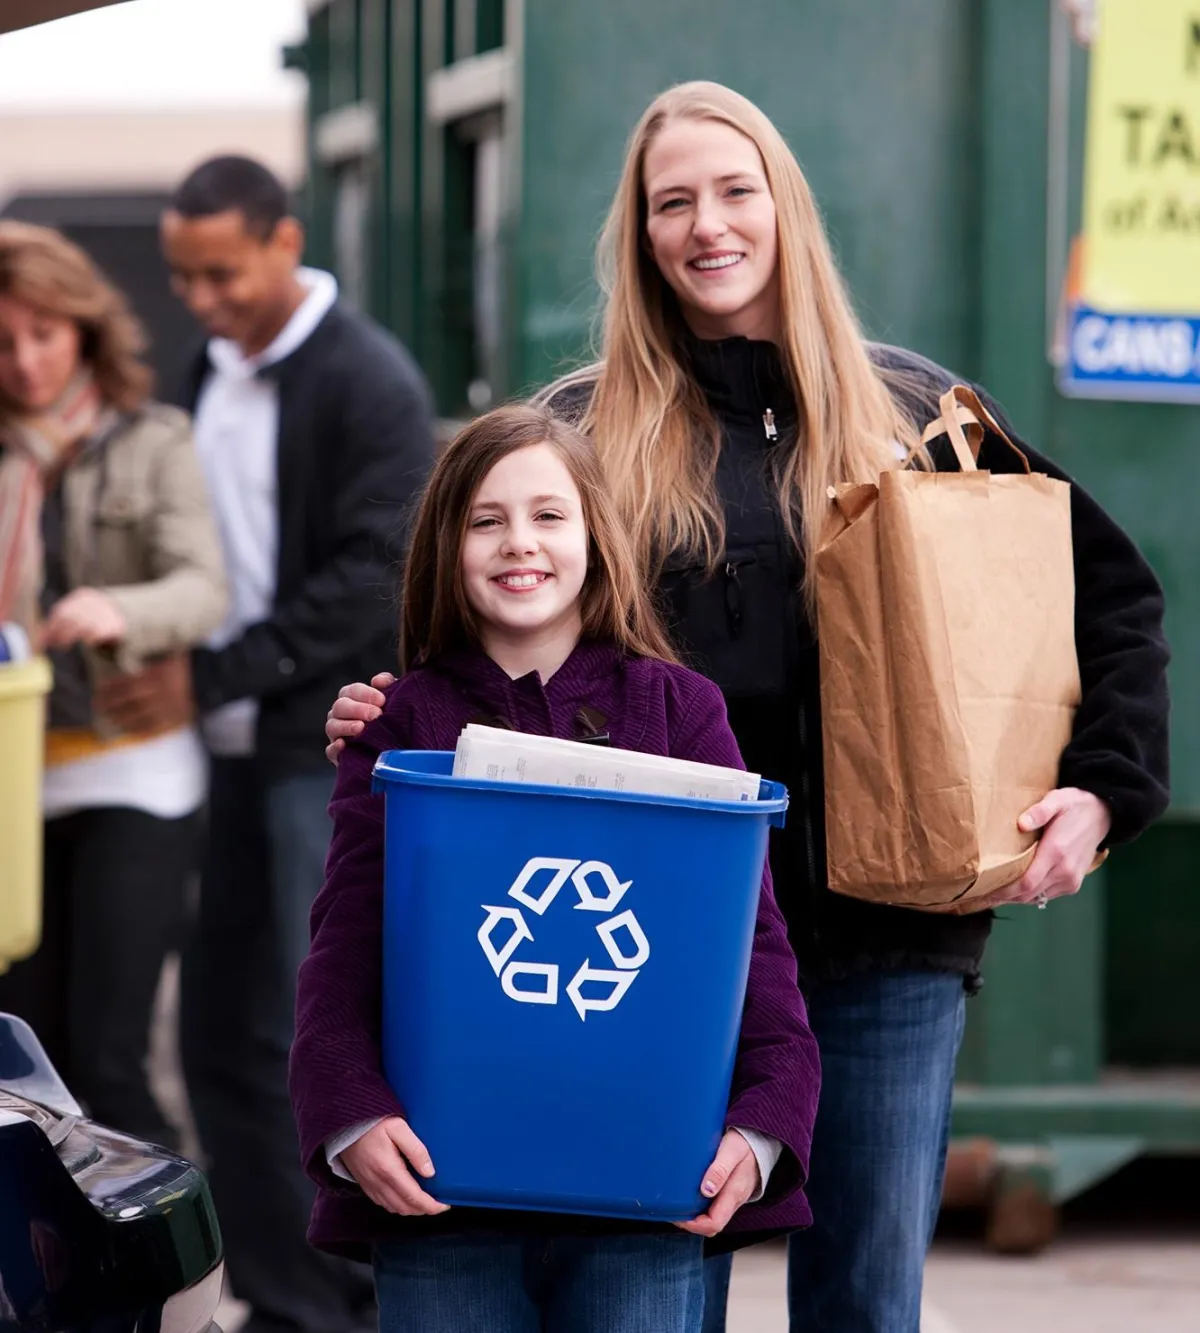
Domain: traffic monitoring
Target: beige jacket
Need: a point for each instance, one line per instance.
(138, 525)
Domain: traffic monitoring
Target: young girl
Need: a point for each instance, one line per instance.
(522, 603)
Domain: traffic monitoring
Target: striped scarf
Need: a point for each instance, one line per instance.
(33, 449)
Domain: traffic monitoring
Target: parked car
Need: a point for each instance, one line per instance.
(99, 1232)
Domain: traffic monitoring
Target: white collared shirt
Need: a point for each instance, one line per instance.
(237, 438)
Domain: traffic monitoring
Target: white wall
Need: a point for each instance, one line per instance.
(129, 151)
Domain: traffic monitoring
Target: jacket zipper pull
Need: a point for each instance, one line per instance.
(733, 598)
(769, 425)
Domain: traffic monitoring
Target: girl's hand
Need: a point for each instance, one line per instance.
(380, 1163)
(729, 1182)
(87, 616)
(355, 706)
(1075, 823)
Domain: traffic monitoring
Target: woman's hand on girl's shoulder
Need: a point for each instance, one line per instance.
(383, 1162)
(729, 1182)
(355, 706)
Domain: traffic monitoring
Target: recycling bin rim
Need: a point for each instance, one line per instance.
(432, 768)
(20, 680)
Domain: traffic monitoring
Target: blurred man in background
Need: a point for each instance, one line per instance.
(315, 430)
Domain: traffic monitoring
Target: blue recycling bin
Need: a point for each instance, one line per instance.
(563, 978)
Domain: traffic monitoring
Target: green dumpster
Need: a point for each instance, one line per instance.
(462, 155)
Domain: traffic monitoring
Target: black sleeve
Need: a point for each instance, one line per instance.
(1120, 745)
(568, 399)
(384, 451)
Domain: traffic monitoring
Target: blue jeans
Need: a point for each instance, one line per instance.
(489, 1283)
(889, 1041)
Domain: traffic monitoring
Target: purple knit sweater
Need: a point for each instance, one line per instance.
(337, 1074)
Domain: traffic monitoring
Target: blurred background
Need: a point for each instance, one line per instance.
(452, 160)
(102, 114)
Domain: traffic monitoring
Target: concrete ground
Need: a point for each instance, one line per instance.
(1099, 1283)
(1120, 1283)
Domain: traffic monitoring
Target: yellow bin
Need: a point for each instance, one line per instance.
(23, 690)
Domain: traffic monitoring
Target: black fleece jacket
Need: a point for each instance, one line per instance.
(746, 627)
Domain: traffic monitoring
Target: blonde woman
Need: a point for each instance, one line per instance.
(110, 559)
(735, 387)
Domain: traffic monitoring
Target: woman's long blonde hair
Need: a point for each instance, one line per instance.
(656, 437)
(43, 269)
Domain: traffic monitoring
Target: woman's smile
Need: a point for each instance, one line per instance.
(716, 262)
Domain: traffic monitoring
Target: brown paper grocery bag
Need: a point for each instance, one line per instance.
(949, 681)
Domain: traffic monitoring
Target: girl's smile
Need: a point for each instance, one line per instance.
(523, 580)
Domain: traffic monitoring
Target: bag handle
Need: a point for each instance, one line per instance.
(961, 407)
(966, 445)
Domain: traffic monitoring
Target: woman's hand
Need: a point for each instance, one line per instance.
(380, 1162)
(355, 706)
(1074, 823)
(86, 616)
(729, 1182)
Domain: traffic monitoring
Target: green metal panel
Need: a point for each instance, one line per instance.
(436, 188)
(1014, 107)
(1108, 977)
(1083, 1160)
(472, 27)
(1164, 1116)
(344, 39)
(448, 20)
(1151, 968)
(374, 89)
(368, 52)
(450, 255)
(402, 149)
(1038, 1018)
(489, 25)
(1139, 461)
(453, 364)
(460, 30)
(318, 208)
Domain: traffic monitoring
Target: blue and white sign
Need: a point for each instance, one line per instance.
(1131, 356)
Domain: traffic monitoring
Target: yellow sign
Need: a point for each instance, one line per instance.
(1142, 169)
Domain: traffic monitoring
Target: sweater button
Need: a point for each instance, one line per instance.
(286, 666)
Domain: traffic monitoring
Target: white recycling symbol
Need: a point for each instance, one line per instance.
(541, 986)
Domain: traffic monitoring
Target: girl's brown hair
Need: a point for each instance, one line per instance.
(43, 269)
(436, 614)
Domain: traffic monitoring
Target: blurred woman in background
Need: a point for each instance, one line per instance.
(109, 559)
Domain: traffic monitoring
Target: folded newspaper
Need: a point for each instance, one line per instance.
(512, 756)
